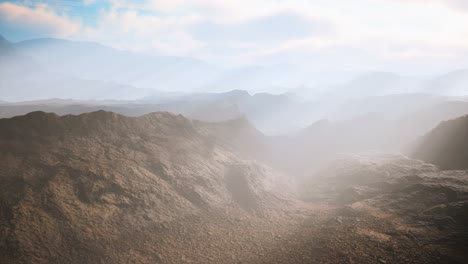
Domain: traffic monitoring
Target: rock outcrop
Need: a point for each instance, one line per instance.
(102, 187)
(446, 145)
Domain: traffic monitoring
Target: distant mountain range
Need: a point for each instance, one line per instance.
(262, 109)
(23, 77)
(86, 70)
(387, 83)
(273, 114)
(93, 61)
(6, 48)
(94, 77)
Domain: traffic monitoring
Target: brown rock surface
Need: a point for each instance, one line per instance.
(105, 188)
(446, 145)
(101, 187)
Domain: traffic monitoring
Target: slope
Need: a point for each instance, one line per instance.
(101, 187)
(446, 145)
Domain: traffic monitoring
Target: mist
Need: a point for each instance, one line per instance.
(209, 132)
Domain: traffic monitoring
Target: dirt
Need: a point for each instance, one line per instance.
(104, 188)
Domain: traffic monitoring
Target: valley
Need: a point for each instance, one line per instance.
(160, 188)
(233, 132)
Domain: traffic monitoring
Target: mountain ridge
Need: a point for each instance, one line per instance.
(102, 185)
(446, 145)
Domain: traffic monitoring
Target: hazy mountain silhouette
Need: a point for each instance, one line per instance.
(93, 61)
(6, 48)
(380, 83)
(452, 83)
(263, 110)
(375, 84)
(104, 71)
(23, 77)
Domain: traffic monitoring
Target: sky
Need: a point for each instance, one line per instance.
(411, 36)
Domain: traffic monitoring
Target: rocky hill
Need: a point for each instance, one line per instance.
(101, 187)
(396, 202)
(446, 145)
(160, 188)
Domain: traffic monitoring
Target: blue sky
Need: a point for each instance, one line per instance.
(420, 36)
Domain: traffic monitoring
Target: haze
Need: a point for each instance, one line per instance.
(260, 131)
(308, 42)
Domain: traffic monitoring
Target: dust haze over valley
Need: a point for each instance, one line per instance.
(205, 132)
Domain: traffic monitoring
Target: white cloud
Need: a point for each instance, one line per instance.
(127, 28)
(238, 31)
(39, 18)
(460, 5)
(88, 2)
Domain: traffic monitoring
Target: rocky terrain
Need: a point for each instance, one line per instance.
(413, 203)
(446, 145)
(160, 188)
(101, 186)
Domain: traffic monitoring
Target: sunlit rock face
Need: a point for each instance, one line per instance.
(105, 187)
(160, 188)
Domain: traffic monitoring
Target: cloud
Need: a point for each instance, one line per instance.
(129, 28)
(89, 2)
(274, 28)
(233, 31)
(460, 5)
(39, 18)
(320, 31)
